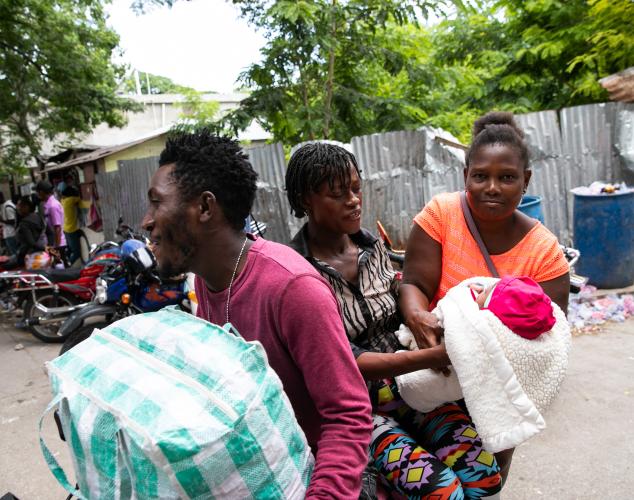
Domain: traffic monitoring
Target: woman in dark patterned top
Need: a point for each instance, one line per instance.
(437, 454)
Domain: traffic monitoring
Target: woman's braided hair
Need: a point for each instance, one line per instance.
(312, 165)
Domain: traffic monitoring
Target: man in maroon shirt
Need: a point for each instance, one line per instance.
(198, 201)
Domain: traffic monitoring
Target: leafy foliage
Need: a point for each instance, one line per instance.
(157, 85)
(198, 112)
(335, 69)
(339, 68)
(327, 69)
(56, 75)
(526, 56)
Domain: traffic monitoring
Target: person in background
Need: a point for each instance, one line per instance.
(71, 203)
(199, 199)
(53, 215)
(434, 455)
(8, 217)
(441, 252)
(30, 234)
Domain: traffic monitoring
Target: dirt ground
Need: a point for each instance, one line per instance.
(585, 453)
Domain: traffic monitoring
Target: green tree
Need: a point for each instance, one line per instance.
(56, 75)
(198, 112)
(528, 56)
(561, 48)
(157, 85)
(609, 24)
(320, 59)
(339, 68)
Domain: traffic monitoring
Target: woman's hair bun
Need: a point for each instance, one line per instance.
(496, 118)
(498, 127)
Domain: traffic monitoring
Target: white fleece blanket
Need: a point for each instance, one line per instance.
(506, 380)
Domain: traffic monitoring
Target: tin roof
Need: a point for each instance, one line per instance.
(105, 151)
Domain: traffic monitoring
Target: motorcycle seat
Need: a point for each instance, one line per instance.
(61, 275)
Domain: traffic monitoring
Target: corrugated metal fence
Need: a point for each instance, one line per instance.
(403, 170)
(271, 204)
(123, 193)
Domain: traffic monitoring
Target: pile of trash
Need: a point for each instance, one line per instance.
(599, 187)
(586, 311)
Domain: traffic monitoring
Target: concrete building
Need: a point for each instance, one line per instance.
(164, 110)
(105, 159)
(159, 113)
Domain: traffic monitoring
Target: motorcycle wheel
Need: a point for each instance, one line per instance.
(84, 246)
(47, 333)
(80, 335)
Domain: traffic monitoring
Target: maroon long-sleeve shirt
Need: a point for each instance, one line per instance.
(281, 301)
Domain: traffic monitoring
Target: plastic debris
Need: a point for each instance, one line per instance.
(586, 311)
(18, 347)
(606, 188)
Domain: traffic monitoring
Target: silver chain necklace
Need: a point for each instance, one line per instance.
(233, 276)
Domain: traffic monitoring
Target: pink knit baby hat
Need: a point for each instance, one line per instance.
(521, 304)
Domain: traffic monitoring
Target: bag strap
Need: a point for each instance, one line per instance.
(476, 234)
(53, 465)
(230, 329)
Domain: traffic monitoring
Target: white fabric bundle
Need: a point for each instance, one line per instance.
(506, 380)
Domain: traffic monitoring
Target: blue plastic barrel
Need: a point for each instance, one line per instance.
(532, 206)
(604, 234)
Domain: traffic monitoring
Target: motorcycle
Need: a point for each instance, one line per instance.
(43, 296)
(130, 287)
(46, 298)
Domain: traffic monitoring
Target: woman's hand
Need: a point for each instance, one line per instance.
(378, 365)
(421, 278)
(425, 328)
(437, 358)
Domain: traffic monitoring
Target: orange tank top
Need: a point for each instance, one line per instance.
(537, 255)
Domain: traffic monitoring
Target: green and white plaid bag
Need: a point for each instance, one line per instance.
(165, 405)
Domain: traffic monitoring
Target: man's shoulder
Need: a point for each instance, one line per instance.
(287, 263)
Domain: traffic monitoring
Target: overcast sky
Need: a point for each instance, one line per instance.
(198, 43)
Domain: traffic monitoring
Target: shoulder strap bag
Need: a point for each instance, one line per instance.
(476, 234)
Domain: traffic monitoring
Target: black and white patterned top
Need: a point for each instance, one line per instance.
(369, 309)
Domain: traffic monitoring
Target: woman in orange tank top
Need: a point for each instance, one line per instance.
(441, 251)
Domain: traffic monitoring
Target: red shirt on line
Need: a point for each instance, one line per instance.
(280, 300)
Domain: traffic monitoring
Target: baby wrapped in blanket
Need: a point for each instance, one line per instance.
(508, 345)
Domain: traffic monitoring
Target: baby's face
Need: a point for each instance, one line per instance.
(481, 293)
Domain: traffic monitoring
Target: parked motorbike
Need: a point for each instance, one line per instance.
(130, 287)
(46, 298)
(572, 256)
